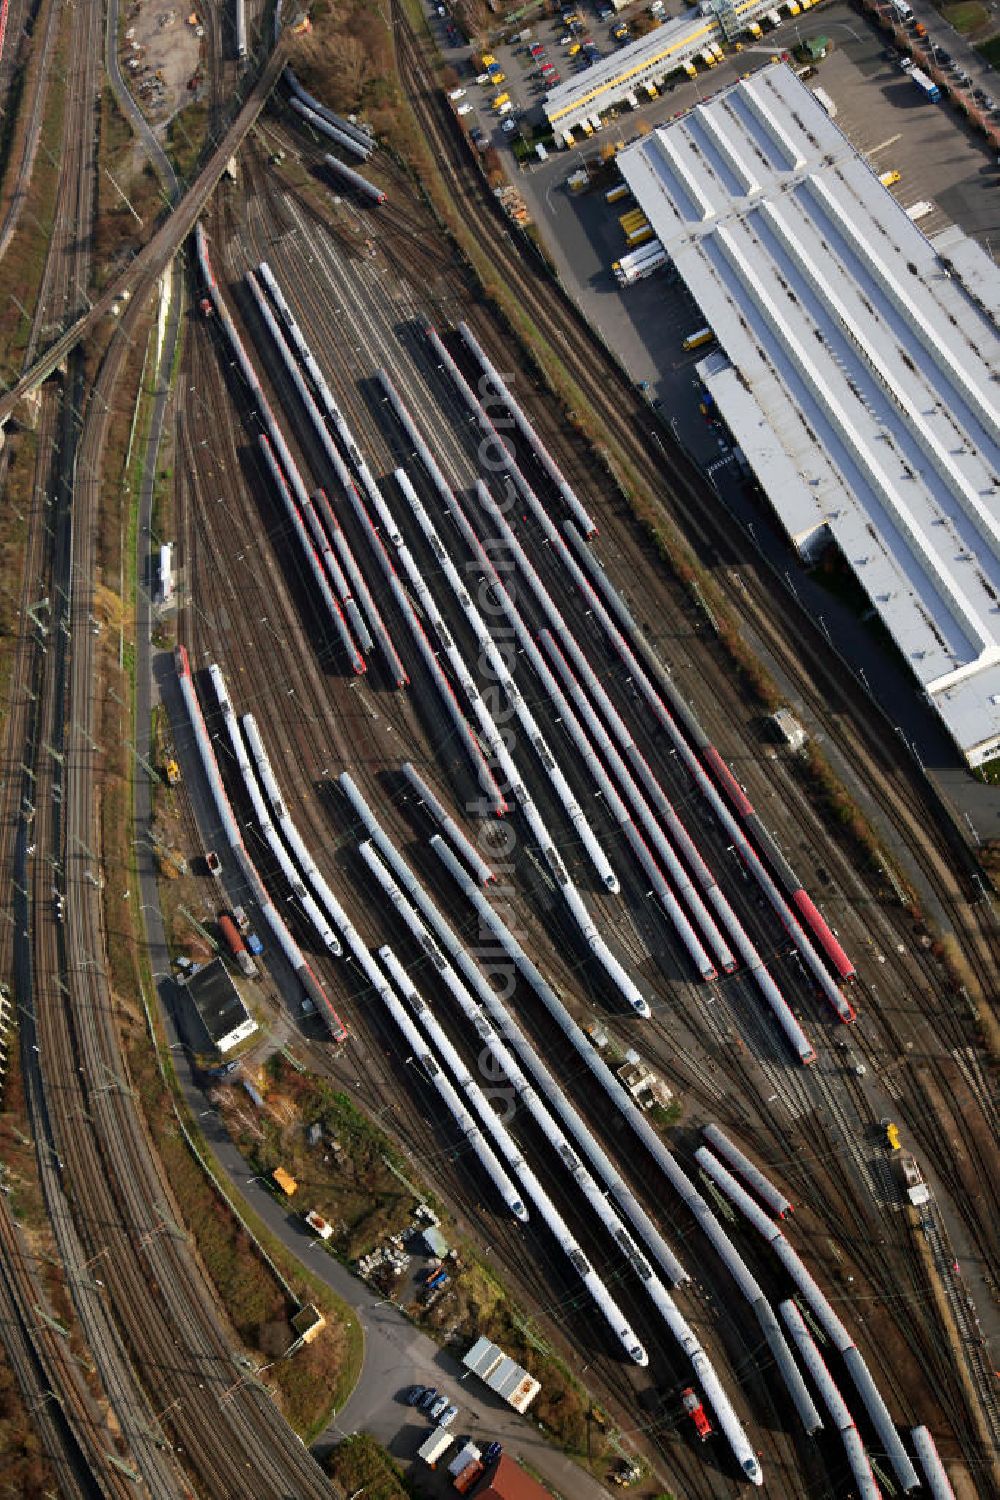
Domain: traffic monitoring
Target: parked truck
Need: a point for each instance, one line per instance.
(236, 945)
(926, 85)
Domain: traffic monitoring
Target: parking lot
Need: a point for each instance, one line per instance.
(564, 52)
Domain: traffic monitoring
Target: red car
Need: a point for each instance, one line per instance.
(695, 1410)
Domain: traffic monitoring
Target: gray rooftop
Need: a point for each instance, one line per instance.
(860, 368)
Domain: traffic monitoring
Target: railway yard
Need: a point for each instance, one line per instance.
(537, 887)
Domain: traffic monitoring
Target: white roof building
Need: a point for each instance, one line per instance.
(858, 369)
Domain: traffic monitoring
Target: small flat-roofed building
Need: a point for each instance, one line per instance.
(214, 1015)
(308, 1323)
(856, 369)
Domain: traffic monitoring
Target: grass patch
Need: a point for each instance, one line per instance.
(130, 200)
(17, 475)
(187, 136)
(990, 50)
(360, 1465)
(348, 1175)
(966, 16)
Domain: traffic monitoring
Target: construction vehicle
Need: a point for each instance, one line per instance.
(173, 772)
(691, 1402)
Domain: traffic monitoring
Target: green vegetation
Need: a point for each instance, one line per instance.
(128, 201)
(966, 16)
(17, 472)
(360, 1465)
(320, 1375)
(348, 1176)
(187, 136)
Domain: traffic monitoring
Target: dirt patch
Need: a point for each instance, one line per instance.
(161, 52)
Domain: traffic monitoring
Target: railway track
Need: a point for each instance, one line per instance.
(36, 72)
(278, 229)
(869, 746)
(295, 734)
(834, 700)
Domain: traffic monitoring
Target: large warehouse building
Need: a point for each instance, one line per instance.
(690, 42)
(857, 369)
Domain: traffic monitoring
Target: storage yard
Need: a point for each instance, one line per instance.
(599, 856)
(522, 923)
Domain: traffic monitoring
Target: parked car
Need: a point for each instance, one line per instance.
(492, 1452)
(447, 1416)
(428, 1399)
(414, 1394)
(464, 109)
(437, 1408)
(509, 125)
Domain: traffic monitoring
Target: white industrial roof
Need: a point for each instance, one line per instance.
(649, 58)
(860, 370)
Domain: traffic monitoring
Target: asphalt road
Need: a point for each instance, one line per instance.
(140, 124)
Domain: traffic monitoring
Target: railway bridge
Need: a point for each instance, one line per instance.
(156, 255)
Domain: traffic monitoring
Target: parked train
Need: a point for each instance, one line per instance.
(507, 1026)
(324, 415)
(343, 173)
(347, 127)
(762, 845)
(307, 979)
(820, 1307)
(473, 859)
(491, 1120)
(609, 600)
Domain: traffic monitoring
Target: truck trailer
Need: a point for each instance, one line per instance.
(926, 85)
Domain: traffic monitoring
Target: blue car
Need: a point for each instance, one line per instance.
(492, 1452)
